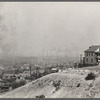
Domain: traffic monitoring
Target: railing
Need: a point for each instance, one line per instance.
(98, 57)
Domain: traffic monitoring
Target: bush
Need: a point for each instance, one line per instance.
(40, 96)
(90, 76)
(78, 85)
(57, 84)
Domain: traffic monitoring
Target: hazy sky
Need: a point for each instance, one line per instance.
(28, 28)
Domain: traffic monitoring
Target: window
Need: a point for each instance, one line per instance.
(98, 54)
(91, 54)
(87, 53)
(91, 60)
(86, 59)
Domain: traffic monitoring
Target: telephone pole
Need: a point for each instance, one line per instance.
(30, 67)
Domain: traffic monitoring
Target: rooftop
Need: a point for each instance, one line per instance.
(93, 48)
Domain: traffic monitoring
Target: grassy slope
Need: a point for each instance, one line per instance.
(72, 85)
(67, 88)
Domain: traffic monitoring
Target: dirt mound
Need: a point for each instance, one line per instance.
(58, 85)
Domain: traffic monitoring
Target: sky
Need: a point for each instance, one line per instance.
(36, 28)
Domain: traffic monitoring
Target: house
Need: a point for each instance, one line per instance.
(8, 76)
(54, 70)
(26, 73)
(92, 55)
(40, 71)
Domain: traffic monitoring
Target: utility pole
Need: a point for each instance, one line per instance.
(81, 61)
(30, 67)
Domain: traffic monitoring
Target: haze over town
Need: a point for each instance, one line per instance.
(31, 28)
(51, 46)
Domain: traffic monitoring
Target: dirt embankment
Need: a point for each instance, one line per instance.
(58, 85)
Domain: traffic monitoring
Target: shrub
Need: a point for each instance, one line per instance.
(57, 84)
(40, 96)
(78, 85)
(90, 76)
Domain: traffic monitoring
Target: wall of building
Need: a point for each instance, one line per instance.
(90, 57)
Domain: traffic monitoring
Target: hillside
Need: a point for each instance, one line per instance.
(59, 85)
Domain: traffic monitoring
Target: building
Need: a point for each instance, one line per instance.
(26, 73)
(8, 76)
(54, 70)
(92, 55)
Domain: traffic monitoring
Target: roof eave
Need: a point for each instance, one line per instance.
(88, 51)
